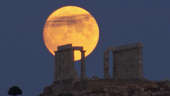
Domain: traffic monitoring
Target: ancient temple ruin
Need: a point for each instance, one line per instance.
(127, 62)
(127, 66)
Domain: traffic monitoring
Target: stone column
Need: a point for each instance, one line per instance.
(83, 67)
(128, 62)
(115, 66)
(140, 59)
(56, 64)
(106, 65)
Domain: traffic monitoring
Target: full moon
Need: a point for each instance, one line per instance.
(71, 25)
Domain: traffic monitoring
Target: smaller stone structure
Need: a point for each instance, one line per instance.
(127, 62)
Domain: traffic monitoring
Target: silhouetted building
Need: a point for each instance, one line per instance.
(127, 73)
(64, 63)
(127, 62)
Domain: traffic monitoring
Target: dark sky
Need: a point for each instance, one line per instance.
(24, 60)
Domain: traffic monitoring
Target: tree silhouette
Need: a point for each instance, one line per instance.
(14, 91)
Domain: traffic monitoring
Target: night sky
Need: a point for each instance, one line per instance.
(25, 61)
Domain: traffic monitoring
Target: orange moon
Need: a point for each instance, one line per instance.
(71, 25)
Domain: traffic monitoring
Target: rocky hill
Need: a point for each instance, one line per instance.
(110, 88)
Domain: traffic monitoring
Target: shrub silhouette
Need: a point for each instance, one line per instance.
(14, 91)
